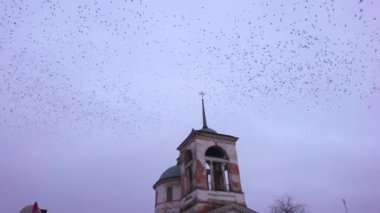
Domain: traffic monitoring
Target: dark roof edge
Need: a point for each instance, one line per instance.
(194, 133)
(165, 180)
(233, 206)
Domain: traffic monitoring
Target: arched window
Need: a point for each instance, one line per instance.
(217, 169)
(188, 170)
(188, 156)
(216, 152)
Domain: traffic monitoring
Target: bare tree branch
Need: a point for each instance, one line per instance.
(286, 205)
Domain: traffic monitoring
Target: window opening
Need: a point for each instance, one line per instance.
(218, 176)
(189, 175)
(217, 173)
(216, 152)
(226, 177)
(169, 194)
(188, 156)
(208, 175)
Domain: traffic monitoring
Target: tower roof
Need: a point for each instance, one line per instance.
(171, 173)
(202, 133)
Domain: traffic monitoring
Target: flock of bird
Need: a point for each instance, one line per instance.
(110, 62)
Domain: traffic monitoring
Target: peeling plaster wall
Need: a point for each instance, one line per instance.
(200, 199)
(162, 206)
(202, 144)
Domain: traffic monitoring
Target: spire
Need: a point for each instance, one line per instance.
(205, 127)
(203, 111)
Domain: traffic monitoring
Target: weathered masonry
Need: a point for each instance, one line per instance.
(206, 177)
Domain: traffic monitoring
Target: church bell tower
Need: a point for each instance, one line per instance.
(208, 173)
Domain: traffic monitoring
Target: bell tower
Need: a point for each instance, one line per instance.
(206, 178)
(209, 170)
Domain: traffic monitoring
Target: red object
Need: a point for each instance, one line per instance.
(35, 208)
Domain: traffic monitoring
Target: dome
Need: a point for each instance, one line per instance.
(172, 172)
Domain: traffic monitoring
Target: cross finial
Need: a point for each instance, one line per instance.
(202, 94)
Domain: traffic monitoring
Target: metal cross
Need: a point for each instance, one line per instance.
(202, 94)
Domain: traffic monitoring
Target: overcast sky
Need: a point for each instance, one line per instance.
(95, 97)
